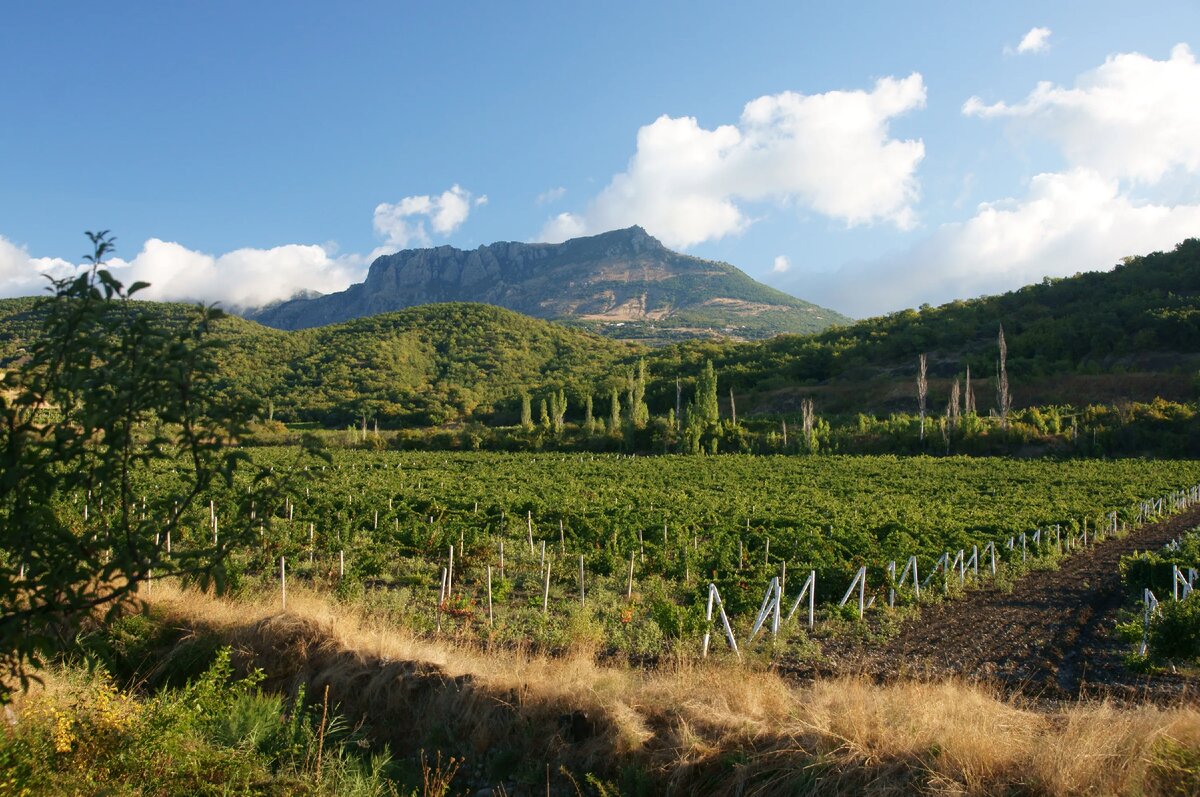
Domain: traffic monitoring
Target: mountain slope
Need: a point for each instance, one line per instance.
(622, 283)
(1129, 333)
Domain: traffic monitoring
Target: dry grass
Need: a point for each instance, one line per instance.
(712, 728)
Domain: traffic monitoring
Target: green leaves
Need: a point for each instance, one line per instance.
(110, 389)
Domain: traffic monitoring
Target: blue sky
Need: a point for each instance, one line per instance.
(242, 151)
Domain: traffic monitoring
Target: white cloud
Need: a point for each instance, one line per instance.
(781, 265)
(23, 275)
(1037, 40)
(830, 153)
(550, 195)
(239, 279)
(1069, 222)
(1130, 132)
(404, 222)
(563, 227)
(1133, 117)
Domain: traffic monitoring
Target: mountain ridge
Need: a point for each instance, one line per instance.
(604, 282)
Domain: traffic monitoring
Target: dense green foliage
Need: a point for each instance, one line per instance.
(1174, 630)
(687, 520)
(108, 391)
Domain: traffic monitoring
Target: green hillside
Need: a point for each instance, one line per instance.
(424, 365)
(1132, 332)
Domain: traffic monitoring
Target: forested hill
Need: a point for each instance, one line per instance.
(1131, 332)
(422, 366)
(622, 284)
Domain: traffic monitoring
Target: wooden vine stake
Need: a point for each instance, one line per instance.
(629, 590)
(529, 529)
(546, 594)
(283, 582)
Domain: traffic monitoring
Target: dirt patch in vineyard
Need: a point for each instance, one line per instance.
(1050, 637)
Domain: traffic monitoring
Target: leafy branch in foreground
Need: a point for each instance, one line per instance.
(109, 389)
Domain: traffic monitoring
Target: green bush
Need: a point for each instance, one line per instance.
(1175, 630)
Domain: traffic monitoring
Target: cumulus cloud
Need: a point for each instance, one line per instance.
(1068, 222)
(1127, 128)
(24, 275)
(550, 195)
(403, 222)
(1133, 117)
(781, 265)
(240, 279)
(831, 153)
(1037, 40)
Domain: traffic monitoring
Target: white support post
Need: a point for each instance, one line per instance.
(546, 593)
(715, 597)
(450, 574)
(809, 589)
(489, 588)
(891, 572)
(283, 582)
(529, 529)
(1150, 606)
(943, 563)
(770, 605)
(629, 589)
(911, 567)
(582, 594)
(860, 581)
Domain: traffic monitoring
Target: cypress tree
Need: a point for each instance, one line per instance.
(614, 411)
(526, 413)
(589, 422)
(638, 411)
(706, 395)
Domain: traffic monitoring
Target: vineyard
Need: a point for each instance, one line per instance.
(618, 552)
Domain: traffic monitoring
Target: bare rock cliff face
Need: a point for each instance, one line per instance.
(612, 279)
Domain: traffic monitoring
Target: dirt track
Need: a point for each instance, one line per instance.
(1050, 637)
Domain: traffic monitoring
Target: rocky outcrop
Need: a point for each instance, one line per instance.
(616, 278)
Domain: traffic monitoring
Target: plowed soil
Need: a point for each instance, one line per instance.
(1051, 637)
